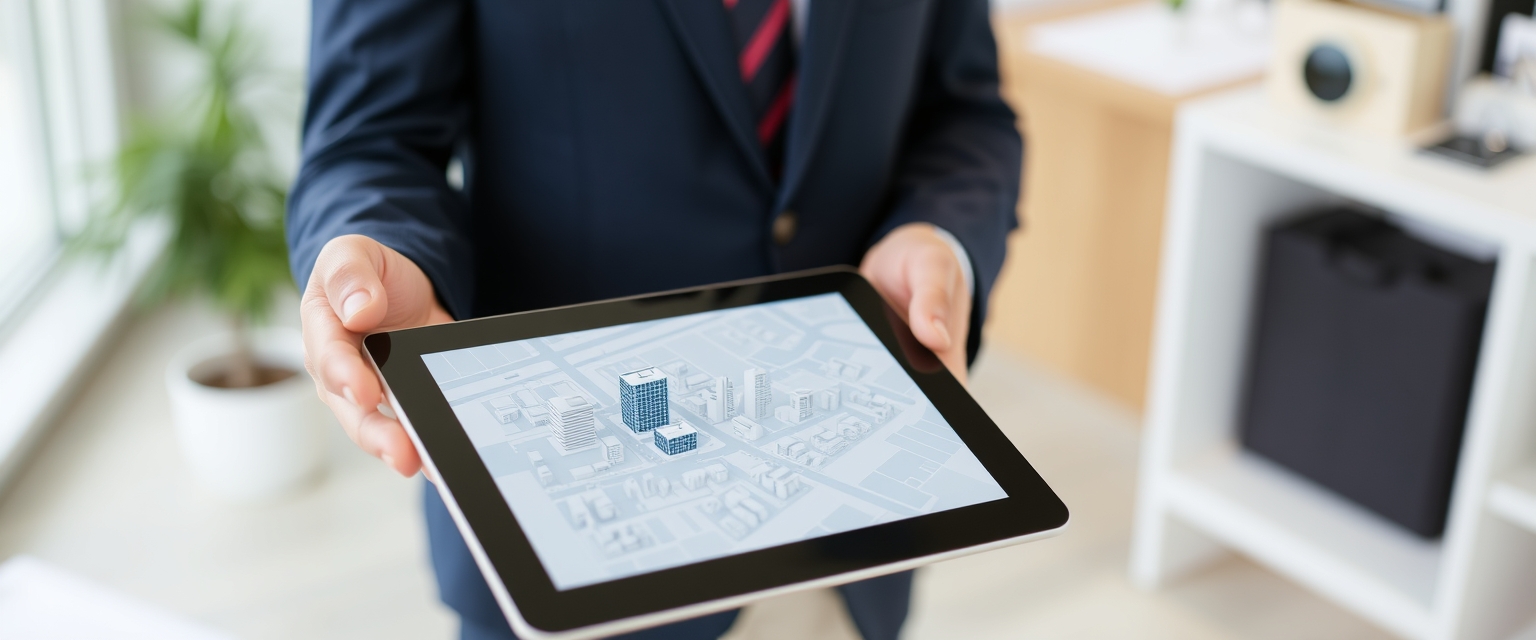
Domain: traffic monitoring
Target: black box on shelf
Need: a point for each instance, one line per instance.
(1365, 344)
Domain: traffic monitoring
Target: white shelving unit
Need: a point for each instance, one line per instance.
(1514, 497)
(1239, 166)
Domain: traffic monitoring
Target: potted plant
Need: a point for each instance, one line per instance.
(245, 412)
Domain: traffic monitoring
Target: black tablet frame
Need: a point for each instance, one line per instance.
(1030, 508)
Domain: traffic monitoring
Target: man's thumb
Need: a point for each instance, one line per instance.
(929, 316)
(348, 268)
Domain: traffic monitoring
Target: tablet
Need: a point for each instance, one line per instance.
(626, 463)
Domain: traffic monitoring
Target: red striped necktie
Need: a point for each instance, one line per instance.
(767, 62)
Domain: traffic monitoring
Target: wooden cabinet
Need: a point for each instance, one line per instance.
(1078, 290)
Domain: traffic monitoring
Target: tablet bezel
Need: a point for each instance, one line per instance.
(1031, 508)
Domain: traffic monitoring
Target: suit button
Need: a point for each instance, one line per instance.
(784, 227)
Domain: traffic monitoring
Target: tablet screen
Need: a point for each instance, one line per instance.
(640, 447)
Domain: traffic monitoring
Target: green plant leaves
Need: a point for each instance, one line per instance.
(205, 170)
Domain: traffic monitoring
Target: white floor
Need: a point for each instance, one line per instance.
(106, 497)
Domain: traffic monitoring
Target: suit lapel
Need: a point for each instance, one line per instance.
(820, 60)
(711, 45)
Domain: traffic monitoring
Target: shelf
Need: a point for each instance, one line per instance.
(1386, 172)
(1238, 167)
(1514, 498)
(1316, 538)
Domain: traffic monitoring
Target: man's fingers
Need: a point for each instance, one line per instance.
(933, 282)
(333, 356)
(376, 434)
(356, 287)
(347, 413)
(918, 275)
(345, 298)
(888, 280)
(389, 440)
(347, 375)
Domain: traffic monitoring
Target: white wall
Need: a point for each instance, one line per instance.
(157, 73)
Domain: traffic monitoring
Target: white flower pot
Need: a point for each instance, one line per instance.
(253, 443)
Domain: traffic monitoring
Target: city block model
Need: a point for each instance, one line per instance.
(640, 447)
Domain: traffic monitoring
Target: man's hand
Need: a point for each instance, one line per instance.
(922, 279)
(358, 287)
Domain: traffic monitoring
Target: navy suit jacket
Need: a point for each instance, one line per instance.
(608, 149)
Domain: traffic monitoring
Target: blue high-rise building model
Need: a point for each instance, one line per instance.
(677, 438)
(643, 399)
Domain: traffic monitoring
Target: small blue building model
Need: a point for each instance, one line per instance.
(643, 399)
(675, 439)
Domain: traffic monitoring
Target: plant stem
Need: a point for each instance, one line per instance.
(242, 363)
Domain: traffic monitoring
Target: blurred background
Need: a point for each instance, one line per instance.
(1269, 328)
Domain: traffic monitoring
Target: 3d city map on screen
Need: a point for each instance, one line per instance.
(646, 446)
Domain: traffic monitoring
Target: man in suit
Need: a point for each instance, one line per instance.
(464, 158)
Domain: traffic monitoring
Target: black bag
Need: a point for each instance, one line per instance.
(1365, 344)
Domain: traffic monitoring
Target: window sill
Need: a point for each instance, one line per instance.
(54, 339)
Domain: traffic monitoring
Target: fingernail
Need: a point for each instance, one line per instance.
(353, 304)
(346, 392)
(389, 460)
(938, 325)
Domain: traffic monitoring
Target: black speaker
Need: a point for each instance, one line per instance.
(1365, 344)
(1327, 72)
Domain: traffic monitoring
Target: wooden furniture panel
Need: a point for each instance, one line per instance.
(1079, 287)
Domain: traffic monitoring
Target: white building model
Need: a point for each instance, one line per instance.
(759, 393)
(570, 420)
(746, 428)
(800, 405)
(613, 452)
(722, 400)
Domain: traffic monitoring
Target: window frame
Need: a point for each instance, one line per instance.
(69, 309)
(15, 286)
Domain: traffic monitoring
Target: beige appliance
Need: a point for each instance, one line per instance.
(1363, 67)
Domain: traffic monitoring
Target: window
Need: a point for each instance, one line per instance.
(29, 231)
(58, 120)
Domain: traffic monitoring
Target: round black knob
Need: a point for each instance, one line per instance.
(1328, 72)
